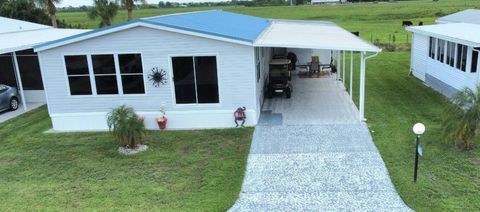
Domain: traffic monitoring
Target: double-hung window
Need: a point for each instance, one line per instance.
(112, 74)
(78, 75)
(433, 42)
(461, 57)
(451, 54)
(441, 50)
(475, 60)
(131, 71)
(195, 79)
(105, 74)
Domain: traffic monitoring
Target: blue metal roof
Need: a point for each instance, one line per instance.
(212, 22)
(217, 23)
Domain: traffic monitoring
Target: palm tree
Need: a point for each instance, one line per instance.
(51, 8)
(126, 126)
(462, 118)
(130, 4)
(105, 10)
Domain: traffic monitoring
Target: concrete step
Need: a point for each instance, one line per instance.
(312, 138)
(319, 201)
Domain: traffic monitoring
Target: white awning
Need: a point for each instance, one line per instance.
(463, 33)
(312, 35)
(20, 40)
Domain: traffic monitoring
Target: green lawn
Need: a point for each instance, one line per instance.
(372, 20)
(182, 170)
(448, 180)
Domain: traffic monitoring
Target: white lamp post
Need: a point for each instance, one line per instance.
(418, 129)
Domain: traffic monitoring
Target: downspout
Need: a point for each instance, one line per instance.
(372, 56)
(362, 84)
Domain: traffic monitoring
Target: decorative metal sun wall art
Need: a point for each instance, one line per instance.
(157, 76)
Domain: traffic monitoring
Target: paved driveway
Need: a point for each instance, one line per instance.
(7, 115)
(323, 163)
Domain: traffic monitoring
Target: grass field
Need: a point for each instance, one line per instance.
(182, 170)
(373, 20)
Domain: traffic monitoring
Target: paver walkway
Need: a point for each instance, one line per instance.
(327, 163)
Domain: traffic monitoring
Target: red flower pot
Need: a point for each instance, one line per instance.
(162, 122)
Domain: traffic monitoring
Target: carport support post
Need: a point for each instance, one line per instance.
(362, 86)
(343, 66)
(351, 74)
(339, 64)
(19, 79)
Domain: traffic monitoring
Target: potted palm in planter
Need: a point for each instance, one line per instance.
(162, 120)
(128, 129)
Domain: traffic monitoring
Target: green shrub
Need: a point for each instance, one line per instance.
(127, 128)
(461, 119)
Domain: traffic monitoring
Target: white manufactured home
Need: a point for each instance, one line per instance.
(445, 56)
(206, 64)
(471, 16)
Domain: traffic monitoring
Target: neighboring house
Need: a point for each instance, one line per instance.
(19, 65)
(328, 1)
(214, 62)
(445, 56)
(471, 16)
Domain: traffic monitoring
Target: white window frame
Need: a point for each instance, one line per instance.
(460, 58)
(172, 82)
(92, 75)
(119, 73)
(119, 83)
(432, 48)
(67, 76)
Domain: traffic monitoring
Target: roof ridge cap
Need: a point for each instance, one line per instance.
(176, 14)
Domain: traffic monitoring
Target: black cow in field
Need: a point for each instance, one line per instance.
(407, 23)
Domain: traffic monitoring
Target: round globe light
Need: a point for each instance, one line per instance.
(418, 128)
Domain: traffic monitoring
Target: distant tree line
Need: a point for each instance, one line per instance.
(32, 11)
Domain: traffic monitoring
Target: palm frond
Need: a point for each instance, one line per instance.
(461, 118)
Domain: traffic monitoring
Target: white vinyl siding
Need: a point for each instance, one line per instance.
(452, 69)
(420, 54)
(235, 71)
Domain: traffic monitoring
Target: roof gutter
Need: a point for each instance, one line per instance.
(371, 56)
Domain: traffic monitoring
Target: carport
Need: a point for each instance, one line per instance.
(19, 65)
(326, 37)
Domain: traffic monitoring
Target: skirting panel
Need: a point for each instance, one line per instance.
(440, 86)
(176, 120)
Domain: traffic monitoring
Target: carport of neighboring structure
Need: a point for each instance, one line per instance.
(19, 65)
(323, 36)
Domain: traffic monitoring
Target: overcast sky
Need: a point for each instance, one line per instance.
(76, 3)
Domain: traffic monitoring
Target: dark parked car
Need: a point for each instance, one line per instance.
(8, 98)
